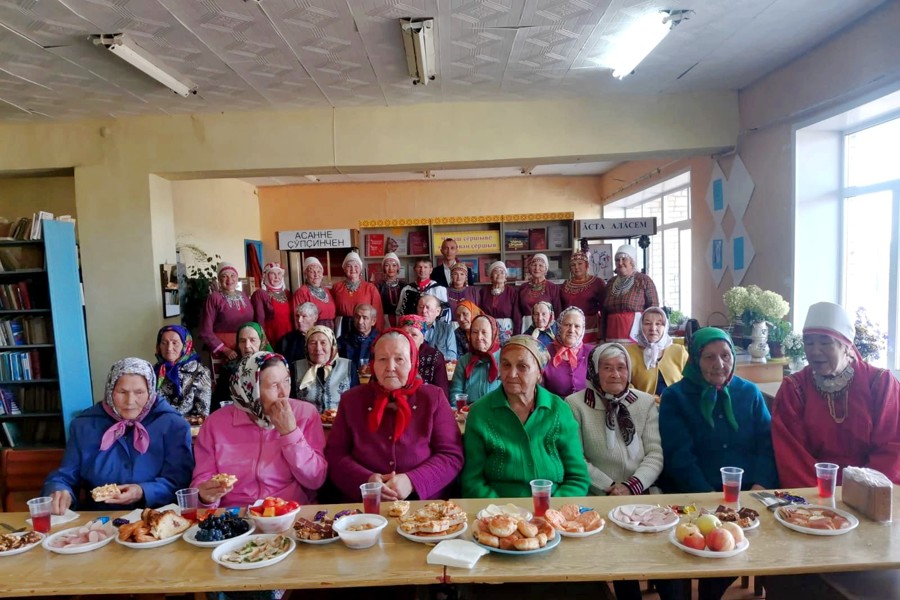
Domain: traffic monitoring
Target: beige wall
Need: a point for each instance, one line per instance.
(24, 196)
(216, 215)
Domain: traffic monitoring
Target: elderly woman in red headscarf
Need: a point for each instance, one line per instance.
(839, 409)
(432, 367)
(585, 291)
(271, 304)
(477, 371)
(464, 313)
(396, 430)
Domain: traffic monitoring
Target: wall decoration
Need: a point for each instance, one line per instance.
(601, 260)
(734, 251)
(168, 275)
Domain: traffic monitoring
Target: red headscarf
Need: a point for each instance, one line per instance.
(400, 396)
(477, 355)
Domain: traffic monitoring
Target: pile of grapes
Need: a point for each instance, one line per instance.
(221, 527)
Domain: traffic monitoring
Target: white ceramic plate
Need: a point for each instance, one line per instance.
(190, 536)
(583, 534)
(641, 528)
(709, 553)
(135, 515)
(23, 548)
(148, 545)
(316, 542)
(854, 522)
(550, 546)
(80, 548)
(492, 510)
(232, 545)
(434, 538)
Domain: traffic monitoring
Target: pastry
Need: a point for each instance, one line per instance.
(399, 508)
(225, 479)
(105, 492)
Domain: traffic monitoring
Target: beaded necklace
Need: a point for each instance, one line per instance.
(234, 299)
(621, 285)
(318, 293)
(576, 287)
(836, 391)
(352, 286)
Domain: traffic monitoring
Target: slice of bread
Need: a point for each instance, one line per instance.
(165, 525)
(225, 479)
(399, 508)
(105, 492)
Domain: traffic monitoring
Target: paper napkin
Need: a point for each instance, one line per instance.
(456, 553)
(55, 520)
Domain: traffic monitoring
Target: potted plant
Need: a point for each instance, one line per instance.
(777, 332)
(869, 339)
(755, 307)
(676, 319)
(200, 280)
(794, 350)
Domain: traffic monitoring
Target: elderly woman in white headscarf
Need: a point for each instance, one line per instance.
(628, 294)
(322, 376)
(272, 305)
(355, 290)
(130, 438)
(538, 288)
(565, 373)
(501, 301)
(656, 363)
(270, 442)
(313, 291)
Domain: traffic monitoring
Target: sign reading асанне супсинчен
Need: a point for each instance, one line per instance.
(617, 228)
(314, 239)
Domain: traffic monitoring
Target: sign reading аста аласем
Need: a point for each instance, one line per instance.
(617, 228)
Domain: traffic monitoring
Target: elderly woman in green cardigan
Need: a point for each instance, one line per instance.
(520, 432)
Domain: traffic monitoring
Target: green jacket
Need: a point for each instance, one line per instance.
(503, 455)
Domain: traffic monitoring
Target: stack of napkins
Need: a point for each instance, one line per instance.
(456, 553)
(69, 515)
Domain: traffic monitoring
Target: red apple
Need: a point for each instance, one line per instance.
(720, 540)
(684, 530)
(736, 531)
(694, 540)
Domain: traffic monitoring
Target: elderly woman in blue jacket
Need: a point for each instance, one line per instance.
(129, 439)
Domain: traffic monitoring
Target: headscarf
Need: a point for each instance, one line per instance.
(471, 306)
(579, 255)
(401, 395)
(532, 345)
(563, 352)
(271, 267)
(498, 264)
(652, 351)
(390, 256)
(225, 266)
(264, 345)
(548, 329)
(828, 318)
(310, 376)
(628, 250)
(352, 257)
(172, 370)
(617, 413)
(460, 266)
(478, 356)
(310, 261)
(542, 257)
(128, 366)
(413, 321)
(710, 393)
(245, 386)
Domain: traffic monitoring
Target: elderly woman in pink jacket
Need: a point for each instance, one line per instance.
(272, 443)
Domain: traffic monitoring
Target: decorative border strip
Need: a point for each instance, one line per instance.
(558, 216)
(394, 222)
(466, 220)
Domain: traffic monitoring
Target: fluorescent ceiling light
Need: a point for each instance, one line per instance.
(125, 48)
(641, 37)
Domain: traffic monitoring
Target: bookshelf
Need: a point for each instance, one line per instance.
(44, 369)
(409, 239)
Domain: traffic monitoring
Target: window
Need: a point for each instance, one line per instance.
(871, 228)
(670, 249)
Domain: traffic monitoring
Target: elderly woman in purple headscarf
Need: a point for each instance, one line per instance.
(182, 380)
(129, 439)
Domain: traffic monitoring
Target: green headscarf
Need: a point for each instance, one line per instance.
(264, 345)
(709, 394)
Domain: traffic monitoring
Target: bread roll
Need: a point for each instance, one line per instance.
(502, 526)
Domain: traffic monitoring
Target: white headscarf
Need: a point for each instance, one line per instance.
(652, 351)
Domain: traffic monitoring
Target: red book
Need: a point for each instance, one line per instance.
(484, 264)
(23, 294)
(418, 242)
(373, 272)
(537, 239)
(514, 268)
(35, 364)
(375, 244)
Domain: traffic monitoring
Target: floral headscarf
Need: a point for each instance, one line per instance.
(128, 366)
(652, 351)
(478, 356)
(618, 416)
(412, 321)
(264, 345)
(563, 352)
(245, 386)
(310, 376)
(532, 345)
(709, 393)
(172, 370)
(400, 396)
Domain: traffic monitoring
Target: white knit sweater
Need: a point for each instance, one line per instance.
(608, 466)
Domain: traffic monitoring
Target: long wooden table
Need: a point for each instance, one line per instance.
(610, 555)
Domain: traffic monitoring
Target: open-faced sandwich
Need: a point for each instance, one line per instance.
(225, 479)
(398, 508)
(154, 526)
(434, 519)
(105, 492)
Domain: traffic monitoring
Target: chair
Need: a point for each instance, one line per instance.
(22, 474)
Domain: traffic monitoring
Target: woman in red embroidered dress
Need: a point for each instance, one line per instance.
(584, 291)
(628, 293)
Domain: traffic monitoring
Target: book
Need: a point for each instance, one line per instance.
(10, 404)
(514, 269)
(557, 237)
(516, 239)
(471, 262)
(396, 244)
(374, 244)
(484, 266)
(554, 268)
(373, 272)
(24, 296)
(537, 239)
(418, 242)
(13, 434)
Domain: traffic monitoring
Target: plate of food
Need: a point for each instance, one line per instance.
(154, 529)
(644, 518)
(17, 543)
(319, 530)
(719, 543)
(254, 552)
(426, 537)
(746, 518)
(215, 530)
(493, 510)
(434, 522)
(816, 520)
(573, 520)
(328, 416)
(84, 538)
(508, 535)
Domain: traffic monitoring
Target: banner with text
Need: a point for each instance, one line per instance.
(617, 228)
(470, 242)
(314, 239)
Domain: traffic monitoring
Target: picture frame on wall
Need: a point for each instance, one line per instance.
(168, 276)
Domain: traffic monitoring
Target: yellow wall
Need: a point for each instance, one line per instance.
(22, 197)
(312, 206)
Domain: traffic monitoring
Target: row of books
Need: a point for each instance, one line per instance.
(30, 228)
(554, 237)
(15, 296)
(32, 432)
(379, 244)
(17, 331)
(20, 366)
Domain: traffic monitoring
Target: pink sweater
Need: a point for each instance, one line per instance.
(291, 467)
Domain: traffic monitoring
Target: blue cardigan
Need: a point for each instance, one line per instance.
(475, 386)
(166, 466)
(693, 453)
